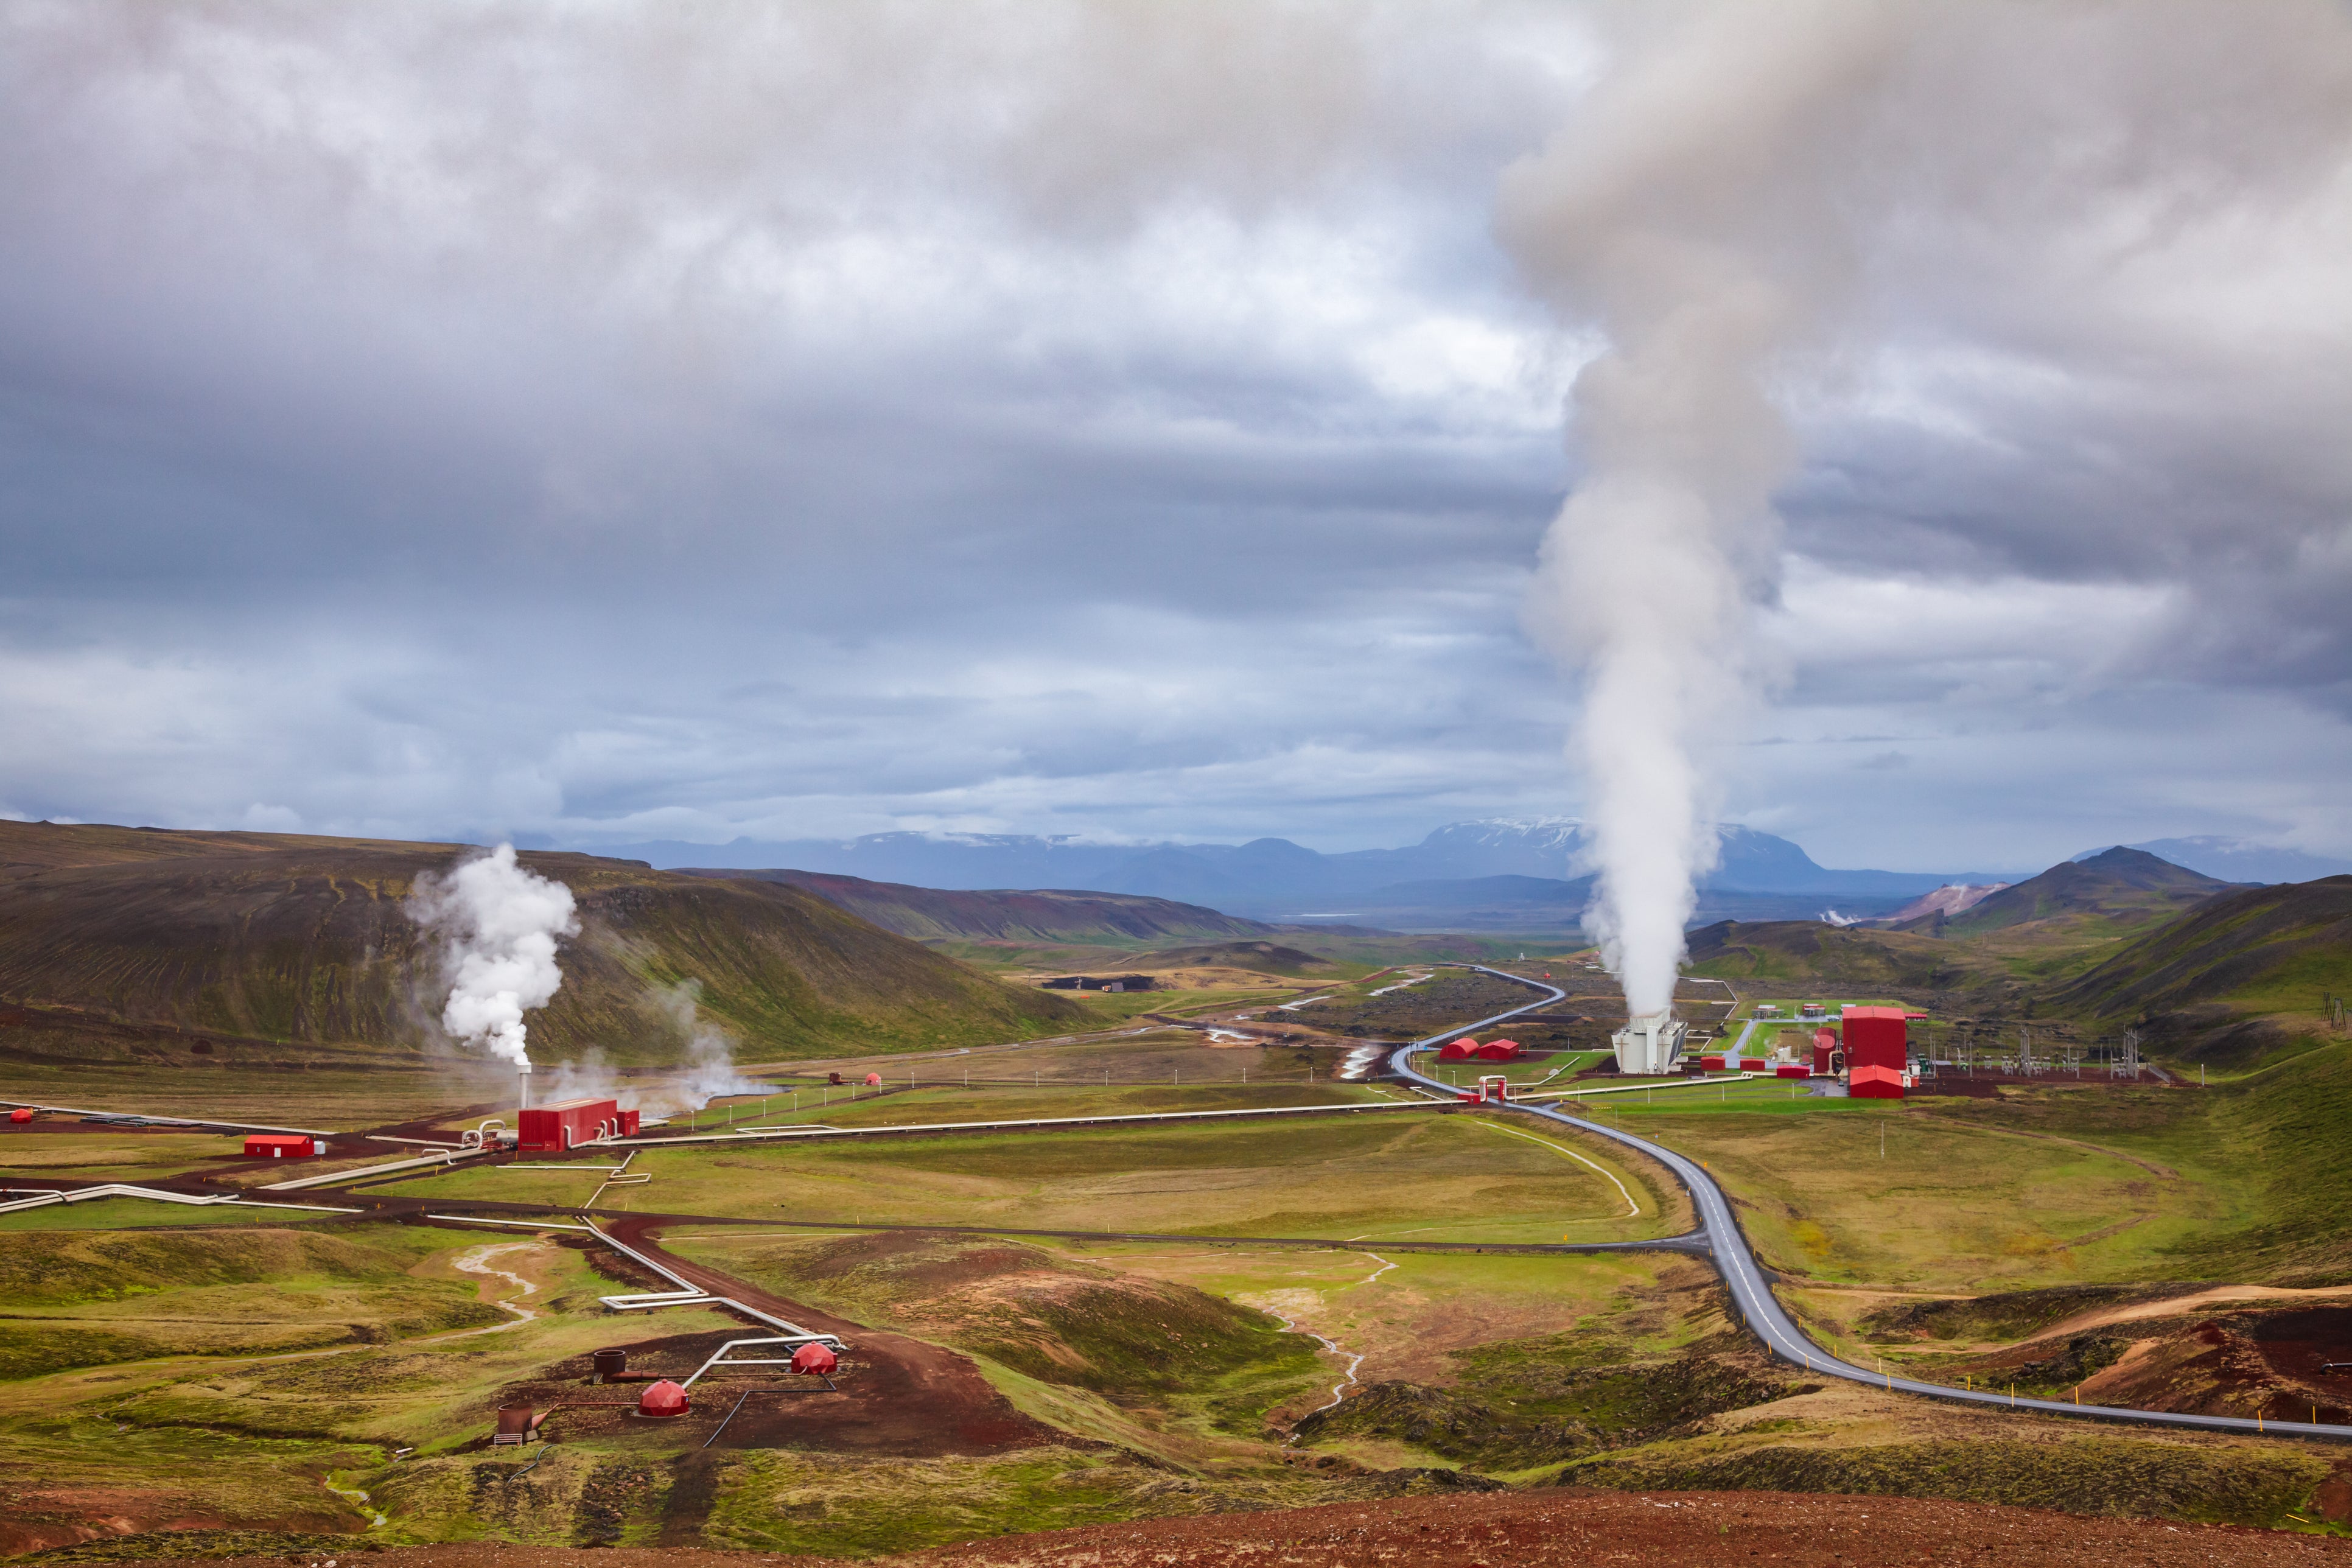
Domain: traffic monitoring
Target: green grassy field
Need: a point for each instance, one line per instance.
(854, 1106)
(1436, 1176)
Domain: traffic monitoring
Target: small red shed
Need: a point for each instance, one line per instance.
(1500, 1051)
(1460, 1050)
(551, 1128)
(814, 1360)
(282, 1145)
(1874, 1083)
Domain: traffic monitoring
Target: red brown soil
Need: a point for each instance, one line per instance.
(896, 1396)
(1522, 1530)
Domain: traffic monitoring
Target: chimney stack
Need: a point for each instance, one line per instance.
(522, 1086)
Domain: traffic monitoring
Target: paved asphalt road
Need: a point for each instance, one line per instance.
(1737, 1263)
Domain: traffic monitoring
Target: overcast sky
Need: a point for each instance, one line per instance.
(621, 421)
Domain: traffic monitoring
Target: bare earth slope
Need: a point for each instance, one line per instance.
(254, 937)
(1505, 1530)
(1048, 914)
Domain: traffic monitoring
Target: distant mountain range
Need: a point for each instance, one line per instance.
(1510, 867)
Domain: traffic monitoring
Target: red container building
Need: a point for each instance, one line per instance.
(282, 1145)
(1500, 1051)
(551, 1128)
(1458, 1050)
(1877, 1050)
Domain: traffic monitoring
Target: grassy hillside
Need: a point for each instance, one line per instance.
(1854, 956)
(2106, 895)
(931, 914)
(1266, 957)
(2235, 979)
(250, 938)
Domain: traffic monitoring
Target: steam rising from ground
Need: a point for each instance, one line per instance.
(498, 924)
(708, 1073)
(1751, 205)
(1647, 217)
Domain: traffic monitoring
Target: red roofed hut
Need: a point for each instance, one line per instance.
(1500, 1051)
(814, 1360)
(281, 1146)
(1874, 1083)
(1460, 1050)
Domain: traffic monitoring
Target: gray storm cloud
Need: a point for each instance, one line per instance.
(1121, 418)
(1717, 206)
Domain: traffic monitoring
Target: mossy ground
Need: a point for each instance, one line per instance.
(1440, 1175)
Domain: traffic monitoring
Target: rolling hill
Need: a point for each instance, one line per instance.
(1266, 957)
(2108, 894)
(1854, 957)
(935, 914)
(2230, 981)
(137, 941)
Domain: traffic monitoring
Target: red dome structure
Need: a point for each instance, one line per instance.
(663, 1400)
(814, 1360)
(1458, 1050)
(874, 1081)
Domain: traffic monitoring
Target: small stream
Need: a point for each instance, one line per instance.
(359, 1501)
(478, 1261)
(1272, 1304)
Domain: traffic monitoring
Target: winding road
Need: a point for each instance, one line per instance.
(1748, 1282)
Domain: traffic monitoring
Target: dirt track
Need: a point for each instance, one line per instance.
(1517, 1529)
(897, 1397)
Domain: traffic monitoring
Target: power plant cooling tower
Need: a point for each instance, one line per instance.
(1650, 1044)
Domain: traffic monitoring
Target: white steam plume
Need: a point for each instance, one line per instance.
(708, 1070)
(498, 924)
(1747, 183)
(1664, 214)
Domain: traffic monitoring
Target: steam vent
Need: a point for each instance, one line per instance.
(1649, 1044)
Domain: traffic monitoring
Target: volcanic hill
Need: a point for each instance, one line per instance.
(2211, 984)
(150, 943)
(2108, 894)
(934, 914)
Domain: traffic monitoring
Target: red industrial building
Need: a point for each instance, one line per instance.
(551, 1128)
(282, 1145)
(1877, 1052)
(1460, 1050)
(1500, 1051)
